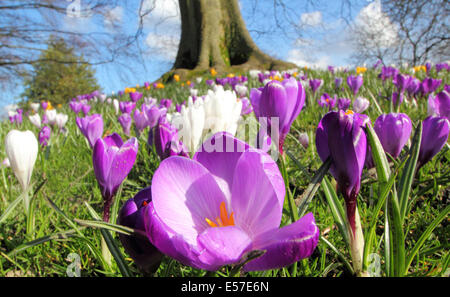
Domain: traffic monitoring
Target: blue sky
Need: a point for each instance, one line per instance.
(322, 42)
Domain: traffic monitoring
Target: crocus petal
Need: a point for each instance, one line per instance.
(222, 246)
(220, 154)
(257, 209)
(285, 246)
(255, 97)
(184, 195)
(123, 162)
(102, 161)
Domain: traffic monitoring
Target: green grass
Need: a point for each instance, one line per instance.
(70, 183)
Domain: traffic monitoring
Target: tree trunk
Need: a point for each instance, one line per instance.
(214, 35)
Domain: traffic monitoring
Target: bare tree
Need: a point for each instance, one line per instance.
(403, 31)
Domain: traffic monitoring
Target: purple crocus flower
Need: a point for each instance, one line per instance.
(340, 135)
(167, 103)
(178, 107)
(337, 82)
(393, 130)
(434, 136)
(135, 96)
(86, 108)
(413, 86)
(125, 121)
(388, 72)
(44, 136)
(246, 106)
(327, 101)
(315, 84)
(112, 160)
(331, 69)
(441, 66)
(44, 105)
(91, 127)
(132, 213)
(430, 85)
(439, 105)
(401, 81)
(283, 100)
(166, 141)
(343, 103)
(75, 106)
(375, 66)
(126, 106)
(354, 83)
(140, 119)
(224, 203)
(397, 98)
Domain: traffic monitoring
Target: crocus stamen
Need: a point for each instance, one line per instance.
(349, 112)
(223, 220)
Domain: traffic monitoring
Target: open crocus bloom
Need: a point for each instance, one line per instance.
(227, 201)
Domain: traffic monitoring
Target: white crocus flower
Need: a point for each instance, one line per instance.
(102, 98)
(199, 79)
(222, 110)
(35, 120)
(254, 73)
(35, 106)
(241, 90)
(51, 116)
(6, 162)
(194, 92)
(360, 105)
(22, 149)
(190, 123)
(61, 120)
(116, 105)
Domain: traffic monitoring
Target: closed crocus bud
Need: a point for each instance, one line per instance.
(340, 135)
(246, 106)
(241, 90)
(166, 141)
(315, 84)
(430, 85)
(413, 86)
(22, 149)
(439, 105)
(132, 215)
(283, 100)
(116, 105)
(35, 120)
(44, 105)
(360, 104)
(140, 119)
(153, 114)
(113, 160)
(401, 81)
(125, 121)
(304, 139)
(393, 130)
(44, 136)
(61, 120)
(86, 108)
(135, 96)
(337, 82)
(434, 136)
(354, 83)
(167, 103)
(91, 127)
(51, 116)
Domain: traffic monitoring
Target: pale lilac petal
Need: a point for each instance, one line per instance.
(123, 162)
(220, 154)
(185, 194)
(285, 246)
(258, 193)
(222, 246)
(102, 161)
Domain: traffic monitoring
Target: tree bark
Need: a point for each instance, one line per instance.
(214, 35)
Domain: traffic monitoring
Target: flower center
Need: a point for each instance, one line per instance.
(349, 112)
(223, 220)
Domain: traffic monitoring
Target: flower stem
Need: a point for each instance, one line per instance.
(290, 199)
(29, 209)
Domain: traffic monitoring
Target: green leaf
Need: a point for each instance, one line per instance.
(409, 171)
(426, 234)
(11, 207)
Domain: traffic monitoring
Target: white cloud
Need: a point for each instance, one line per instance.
(298, 57)
(312, 19)
(6, 109)
(162, 13)
(164, 46)
(376, 26)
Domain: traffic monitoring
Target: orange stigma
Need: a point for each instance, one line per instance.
(224, 219)
(349, 112)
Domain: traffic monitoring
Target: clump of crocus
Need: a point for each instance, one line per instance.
(113, 160)
(126, 107)
(278, 100)
(355, 83)
(44, 135)
(135, 96)
(393, 131)
(429, 85)
(75, 106)
(341, 137)
(439, 105)
(434, 136)
(22, 149)
(227, 201)
(91, 127)
(132, 214)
